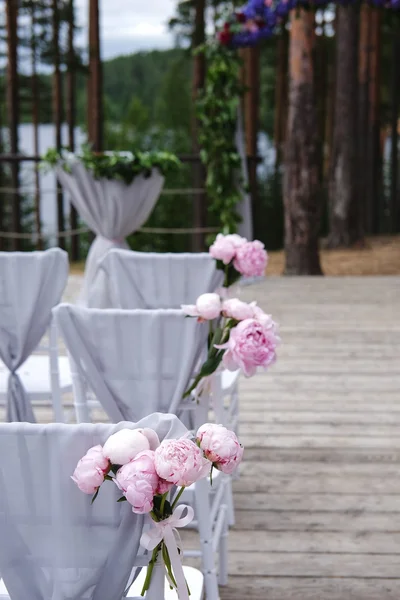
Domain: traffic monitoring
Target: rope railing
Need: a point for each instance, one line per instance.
(72, 232)
(166, 192)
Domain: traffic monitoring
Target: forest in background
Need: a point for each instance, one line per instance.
(145, 101)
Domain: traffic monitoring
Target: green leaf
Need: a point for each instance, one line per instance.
(95, 495)
(122, 499)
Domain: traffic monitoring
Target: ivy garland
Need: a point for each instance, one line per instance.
(217, 112)
(123, 166)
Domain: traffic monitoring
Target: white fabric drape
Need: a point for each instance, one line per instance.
(156, 280)
(136, 362)
(54, 543)
(245, 228)
(30, 285)
(111, 209)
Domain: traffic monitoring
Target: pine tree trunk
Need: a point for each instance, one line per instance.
(57, 113)
(343, 172)
(394, 158)
(281, 94)
(95, 82)
(300, 184)
(374, 162)
(35, 123)
(13, 115)
(71, 90)
(199, 72)
(362, 108)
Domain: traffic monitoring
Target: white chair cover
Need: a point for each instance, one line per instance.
(155, 280)
(111, 209)
(136, 362)
(30, 285)
(53, 543)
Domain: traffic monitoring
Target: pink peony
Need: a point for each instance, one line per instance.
(123, 446)
(90, 470)
(251, 259)
(140, 495)
(181, 462)
(224, 247)
(207, 307)
(220, 446)
(251, 344)
(238, 310)
(152, 437)
(141, 467)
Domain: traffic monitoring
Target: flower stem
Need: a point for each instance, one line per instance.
(226, 278)
(150, 568)
(164, 497)
(179, 494)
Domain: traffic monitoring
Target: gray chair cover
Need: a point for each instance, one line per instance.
(111, 209)
(136, 362)
(155, 280)
(30, 285)
(55, 545)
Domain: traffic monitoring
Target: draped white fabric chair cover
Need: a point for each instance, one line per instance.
(136, 362)
(30, 285)
(111, 209)
(156, 280)
(53, 543)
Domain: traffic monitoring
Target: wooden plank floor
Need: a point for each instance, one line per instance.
(318, 500)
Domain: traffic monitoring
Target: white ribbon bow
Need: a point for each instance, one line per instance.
(166, 531)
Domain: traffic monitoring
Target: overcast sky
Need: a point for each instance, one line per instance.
(129, 25)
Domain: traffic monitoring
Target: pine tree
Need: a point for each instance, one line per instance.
(301, 180)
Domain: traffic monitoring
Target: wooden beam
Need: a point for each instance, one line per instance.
(13, 114)
(95, 82)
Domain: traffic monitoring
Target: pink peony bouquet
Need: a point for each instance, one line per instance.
(236, 256)
(245, 338)
(145, 471)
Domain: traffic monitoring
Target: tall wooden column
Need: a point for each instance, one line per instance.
(71, 108)
(13, 114)
(199, 73)
(57, 112)
(95, 81)
(251, 103)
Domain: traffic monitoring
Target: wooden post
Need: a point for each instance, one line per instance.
(251, 119)
(199, 73)
(57, 113)
(394, 157)
(301, 181)
(95, 82)
(71, 107)
(13, 115)
(35, 123)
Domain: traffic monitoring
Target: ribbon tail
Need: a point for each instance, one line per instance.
(176, 564)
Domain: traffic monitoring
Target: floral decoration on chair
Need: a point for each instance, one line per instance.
(145, 470)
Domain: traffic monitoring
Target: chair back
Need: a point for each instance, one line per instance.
(53, 542)
(152, 280)
(135, 361)
(31, 284)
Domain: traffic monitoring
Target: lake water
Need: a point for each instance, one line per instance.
(48, 184)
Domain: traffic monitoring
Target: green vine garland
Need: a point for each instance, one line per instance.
(115, 165)
(217, 112)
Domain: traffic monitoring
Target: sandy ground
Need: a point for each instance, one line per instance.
(380, 256)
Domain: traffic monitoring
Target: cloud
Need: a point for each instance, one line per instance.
(129, 25)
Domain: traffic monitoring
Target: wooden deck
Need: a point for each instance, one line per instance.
(318, 501)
